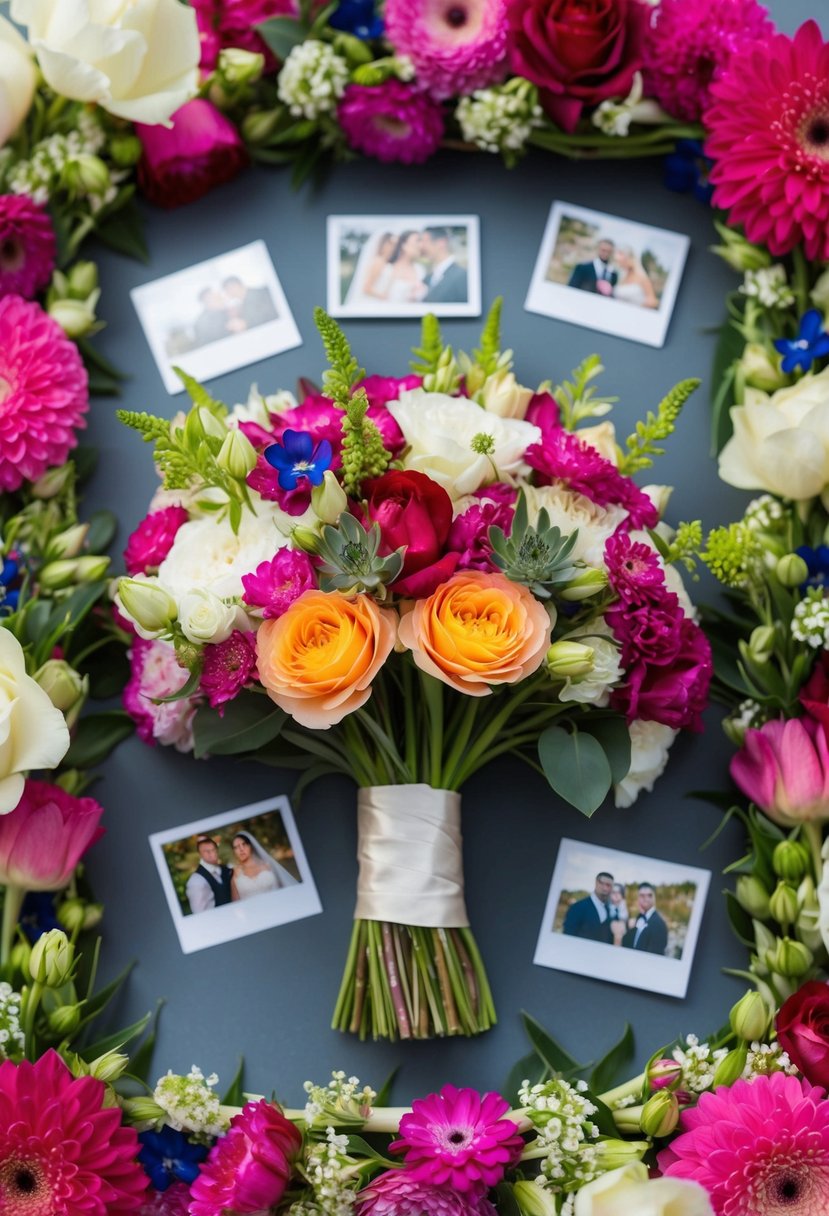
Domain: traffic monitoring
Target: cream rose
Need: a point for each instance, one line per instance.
(504, 396)
(440, 431)
(137, 59)
(569, 512)
(205, 618)
(17, 80)
(602, 437)
(781, 442)
(33, 734)
(650, 743)
(208, 554)
(629, 1192)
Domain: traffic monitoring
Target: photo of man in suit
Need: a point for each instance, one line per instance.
(447, 281)
(649, 933)
(209, 884)
(596, 275)
(590, 917)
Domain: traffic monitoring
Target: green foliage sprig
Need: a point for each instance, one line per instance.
(642, 444)
(578, 398)
(488, 356)
(343, 370)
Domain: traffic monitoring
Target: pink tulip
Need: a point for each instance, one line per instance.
(784, 768)
(45, 836)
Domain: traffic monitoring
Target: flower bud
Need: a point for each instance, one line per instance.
(147, 604)
(70, 542)
(790, 860)
(761, 643)
(790, 958)
(259, 125)
(76, 317)
(611, 1154)
(52, 482)
(568, 660)
(71, 914)
(589, 582)
(792, 570)
(56, 575)
(503, 395)
(65, 688)
(305, 538)
(109, 1067)
(664, 1072)
(660, 1114)
(20, 954)
(237, 67)
(51, 959)
(328, 500)
(738, 252)
(783, 904)
(752, 896)
(764, 939)
(125, 150)
(533, 1200)
(751, 1017)
(64, 1020)
(142, 1109)
(89, 569)
(734, 729)
(87, 174)
(211, 425)
(730, 1068)
(83, 280)
(659, 495)
(761, 369)
(237, 455)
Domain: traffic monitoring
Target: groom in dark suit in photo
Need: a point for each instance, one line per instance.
(446, 282)
(650, 932)
(590, 917)
(209, 884)
(596, 275)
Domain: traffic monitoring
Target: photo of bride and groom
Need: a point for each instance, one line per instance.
(615, 271)
(254, 871)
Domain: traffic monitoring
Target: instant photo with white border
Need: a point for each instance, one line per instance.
(217, 925)
(363, 251)
(179, 314)
(634, 968)
(621, 317)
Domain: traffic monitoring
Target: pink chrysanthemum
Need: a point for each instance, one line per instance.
(62, 1153)
(689, 43)
(43, 393)
(228, 667)
(633, 568)
(769, 138)
(275, 584)
(391, 122)
(27, 247)
(459, 1139)
(397, 1193)
(249, 1168)
(456, 46)
(152, 540)
(156, 673)
(760, 1148)
(175, 1201)
(562, 456)
(469, 534)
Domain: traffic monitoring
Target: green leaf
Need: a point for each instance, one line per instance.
(85, 460)
(603, 1117)
(98, 1001)
(740, 920)
(124, 232)
(249, 722)
(384, 1092)
(69, 612)
(360, 1148)
(235, 1095)
(114, 1042)
(102, 528)
(551, 1053)
(505, 1199)
(576, 767)
(281, 34)
(729, 350)
(607, 1071)
(141, 1060)
(614, 737)
(96, 735)
(189, 685)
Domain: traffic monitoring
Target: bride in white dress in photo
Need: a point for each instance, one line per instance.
(256, 872)
(633, 285)
(388, 270)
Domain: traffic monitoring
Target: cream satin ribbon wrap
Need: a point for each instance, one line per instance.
(409, 850)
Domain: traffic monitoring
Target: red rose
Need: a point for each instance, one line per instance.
(182, 162)
(414, 511)
(578, 52)
(803, 1031)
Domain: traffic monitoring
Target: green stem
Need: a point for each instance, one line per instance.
(814, 836)
(12, 903)
(800, 281)
(32, 1001)
(627, 1090)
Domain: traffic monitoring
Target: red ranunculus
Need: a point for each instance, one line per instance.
(814, 695)
(578, 52)
(803, 1031)
(182, 162)
(414, 511)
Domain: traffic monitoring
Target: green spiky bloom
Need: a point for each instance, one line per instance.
(351, 561)
(363, 452)
(733, 555)
(686, 544)
(642, 444)
(538, 557)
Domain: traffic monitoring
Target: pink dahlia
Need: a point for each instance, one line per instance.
(769, 138)
(156, 673)
(456, 46)
(689, 43)
(27, 247)
(43, 392)
(275, 584)
(397, 1193)
(62, 1151)
(391, 121)
(152, 540)
(231, 23)
(459, 1139)
(228, 667)
(249, 1168)
(760, 1148)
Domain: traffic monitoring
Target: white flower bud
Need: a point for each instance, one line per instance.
(147, 604)
(204, 617)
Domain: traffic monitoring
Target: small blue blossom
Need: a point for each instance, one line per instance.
(357, 17)
(37, 916)
(818, 562)
(9, 571)
(168, 1156)
(812, 342)
(687, 169)
(296, 458)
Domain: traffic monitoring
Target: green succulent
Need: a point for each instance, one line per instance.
(536, 556)
(351, 561)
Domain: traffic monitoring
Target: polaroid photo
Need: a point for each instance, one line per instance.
(622, 918)
(234, 874)
(607, 273)
(404, 265)
(216, 316)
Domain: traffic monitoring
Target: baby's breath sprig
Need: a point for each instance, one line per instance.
(642, 444)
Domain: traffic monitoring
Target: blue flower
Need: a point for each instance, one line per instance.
(687, 169)
(357, 17)
(37, 916)
(818, 562)
(9, 570)
(168, 1156)
(812, 342)
(296, 457)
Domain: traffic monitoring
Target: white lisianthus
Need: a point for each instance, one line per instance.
(650, 743)
(630, 1192)
(259, 409)
(208, 554)
(568, 511)
(17, 79)
(602, 437)
(138, 59)
(781, 442)
(440, 431)
(205, 618)
(504, 396)
(33, 733)
(594, 687)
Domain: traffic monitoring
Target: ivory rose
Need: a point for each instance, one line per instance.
(137, 59)
(17, 79)
(477, 630)
(207, 553)
(33, 734)
(318, 660)
(629, 1192)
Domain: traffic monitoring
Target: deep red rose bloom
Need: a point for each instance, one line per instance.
(414, 511)
(814, 695)
(201, 150)
(578, 52)
(803, 1031)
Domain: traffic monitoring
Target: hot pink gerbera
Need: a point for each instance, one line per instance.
(228, 667)
(249, 1168)
(633, 567)
(769, 138)
(459, 1139)
(152, 540)
(391, 121)
(62, 1152)
(397, 1193)
(275, 584)
(760, 1148)
(43, 392)
(456, 46)
(27, 246)
(156, 673)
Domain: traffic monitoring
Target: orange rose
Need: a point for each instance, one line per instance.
(477, 630)
(318, 659)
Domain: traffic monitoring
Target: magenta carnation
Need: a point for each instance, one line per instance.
(249, 1168)
(43, 393)
(760, 1148)
(152, 540)
(469, 534)
(633, 568)
(275, 584)
(27, 247)
(689, 43)
(228, 667)
(562, 456)
(156, 673)
(63, 1152)
(456, 46)
(769, 138)
(674, 694)
(380, 390)
(391, 121)
(175, 1201)
(397, 1193)
(459, 1139)
(650, 631)
(231, 23)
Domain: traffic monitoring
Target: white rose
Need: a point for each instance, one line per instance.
(504, 396)
(650, 743)
(569, 511)
(594, 687)
(137, 59)
(17, 80)
(602, 437)
(629, 1192)
(781, 442)
(208, 554)
(33, 734)
(205, 618)
(439, 431)
(260, 409)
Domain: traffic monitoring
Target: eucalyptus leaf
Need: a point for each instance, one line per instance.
(249, 722)
(96, 735)
(281, 34)
(102, 528)
(614, 737)
(576, 767)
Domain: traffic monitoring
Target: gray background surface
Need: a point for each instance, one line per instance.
(270, 996)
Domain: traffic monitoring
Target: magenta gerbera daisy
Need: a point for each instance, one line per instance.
(397, 1193)
(758, 1147)
(43, 392)
(456, 46)
(62, 1152)
(391, 121)
(458, 1138)
(249, 1167)
(769, 138)
(27, 247)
